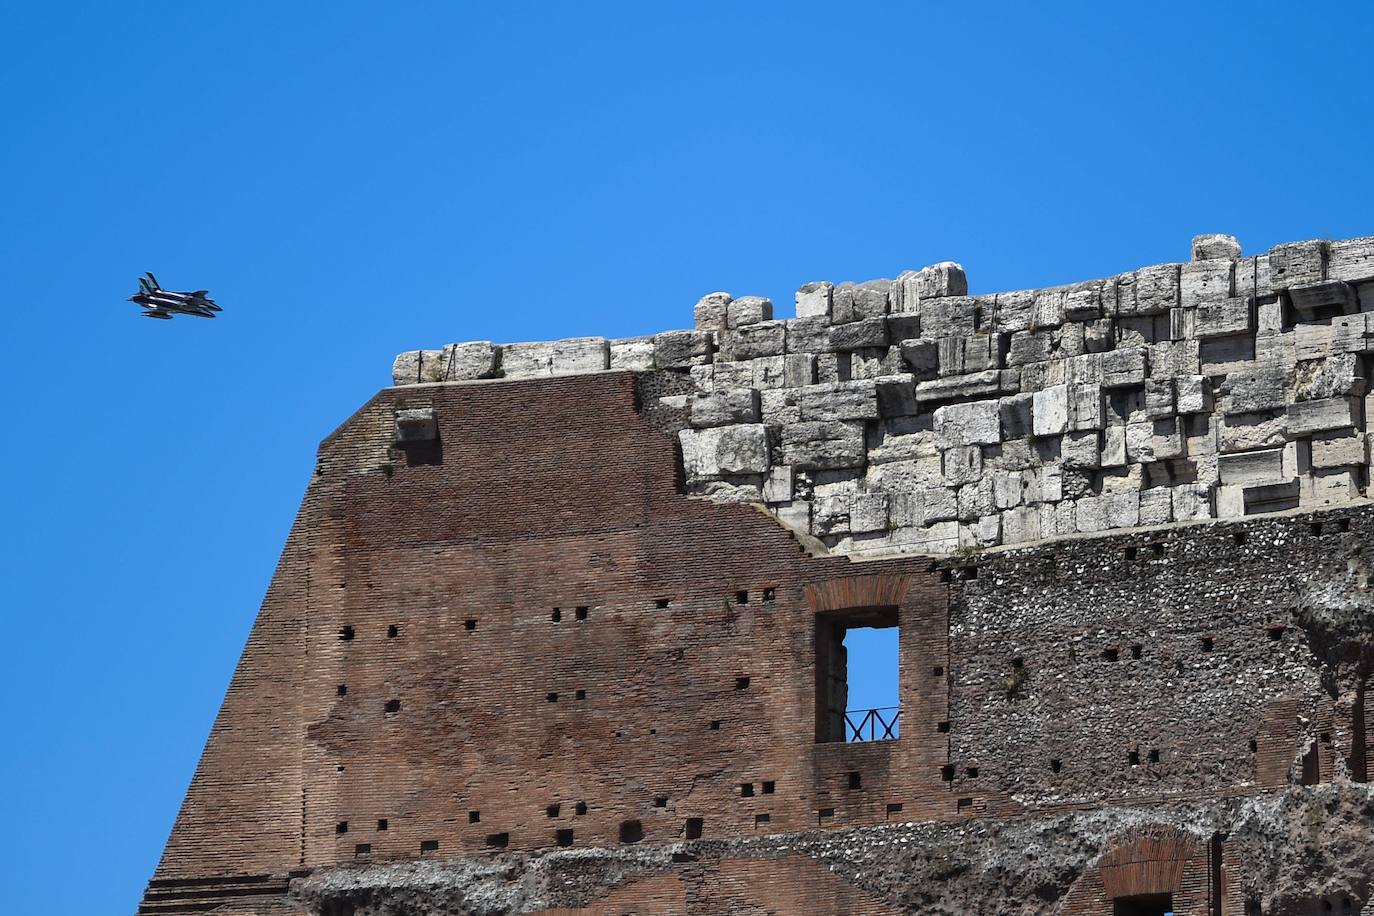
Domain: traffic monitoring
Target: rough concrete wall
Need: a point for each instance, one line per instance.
(905, 416)
(1304, 851)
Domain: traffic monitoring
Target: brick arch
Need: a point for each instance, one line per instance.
(1154, 859)
(883, 590)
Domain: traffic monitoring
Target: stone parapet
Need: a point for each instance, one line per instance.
(907, 416)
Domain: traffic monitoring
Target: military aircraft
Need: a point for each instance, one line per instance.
(164, 303)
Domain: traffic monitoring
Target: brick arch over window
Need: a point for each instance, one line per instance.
(857, 592)
(1147, 861)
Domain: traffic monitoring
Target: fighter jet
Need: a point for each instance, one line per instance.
(164, 303)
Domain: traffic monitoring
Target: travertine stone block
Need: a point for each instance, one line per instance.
(976, 423)
(778, 485)
(416, 425)
(722, 407)
(852, 302)
(1297, 263)
(1084, 302)
(681, 349)
(1352, 333)
(415, 367)
(1260, 388)
(1113, 447)
(1191, 502)
(1335, 376)
(943, 279)
(1341, 448)
(868, 512)
(959, 387)
(1193, 394)
(1224, 355)
(1050, 411)
(1021, 524)
(1243, 432)
(748, 310)
(1204, 281)
(1099, 336)
(1100, 513)
(474, 360)
(1017, 415)
(1114, 369)
(829, 445)
(721, 450)
(1159, 398)
(1308, 417)
(1156, 291)
(857, 400)
(1351, 260)
(633, 354)
(1082, 450)
(976, 500)
(728, 375)
(855, 335)
(1011, 312)
(922, 356)
(1156, 506)
(1048, 311)
(1310, 341)
(527, 360)
(814, 300)
(1246, 468)
(1224, 317)
(1087, 406)
(711, 312)
(1331, 488)
(1031, 347)
(896, 395)
(808, 335)
(962, 464)
(1209, 247)
(767, 338)
(952, 316)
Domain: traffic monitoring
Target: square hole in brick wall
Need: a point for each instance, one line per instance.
(770, 595)
(631, 831)
(429, 846)
(498, 840)
(393, 631)
(964, 804)
(563, 837)
(746, 790)
(552, 697)
(1133, 758)
(579, 695)
(552, 810)
(825, 814)
(942, 727)
(341, 827)
(854, 779)
(363, 849)
(742, 597)
(1275, 631)
(582, 612)
(392, 706)
(661, 801)
(714, 725)
(341, 690)
(761, 819)
(947, 773)
(1208, 643)
(858, 675)
(469, 624)
(1056, 765)
(1111, 653)
(346, 633)
(557, 615)
(474, 817)
(1153, 756)
(381, 823)
(769, 787)
(894, 808)
(1137, 650)
(580, 808)
(742, 683)
(971, 772)
(661, 603)
(692, 830)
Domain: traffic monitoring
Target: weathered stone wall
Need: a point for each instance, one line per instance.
(905, 415)
(502, 634)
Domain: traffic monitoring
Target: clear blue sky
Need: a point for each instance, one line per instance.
(354, 179)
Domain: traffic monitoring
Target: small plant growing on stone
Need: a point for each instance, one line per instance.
(389, 470)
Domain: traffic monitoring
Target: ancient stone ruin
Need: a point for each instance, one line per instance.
(560, 627)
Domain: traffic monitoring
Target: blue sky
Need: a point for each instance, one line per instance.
(354, 179)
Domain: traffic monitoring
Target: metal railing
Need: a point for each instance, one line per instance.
(881, 724)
